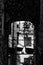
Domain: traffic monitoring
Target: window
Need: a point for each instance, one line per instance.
(26, 33)
(22, 38)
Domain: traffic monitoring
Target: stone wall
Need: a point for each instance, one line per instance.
(1, 32)
(40, 37)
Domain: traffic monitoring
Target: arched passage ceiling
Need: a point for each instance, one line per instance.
(23, 10)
